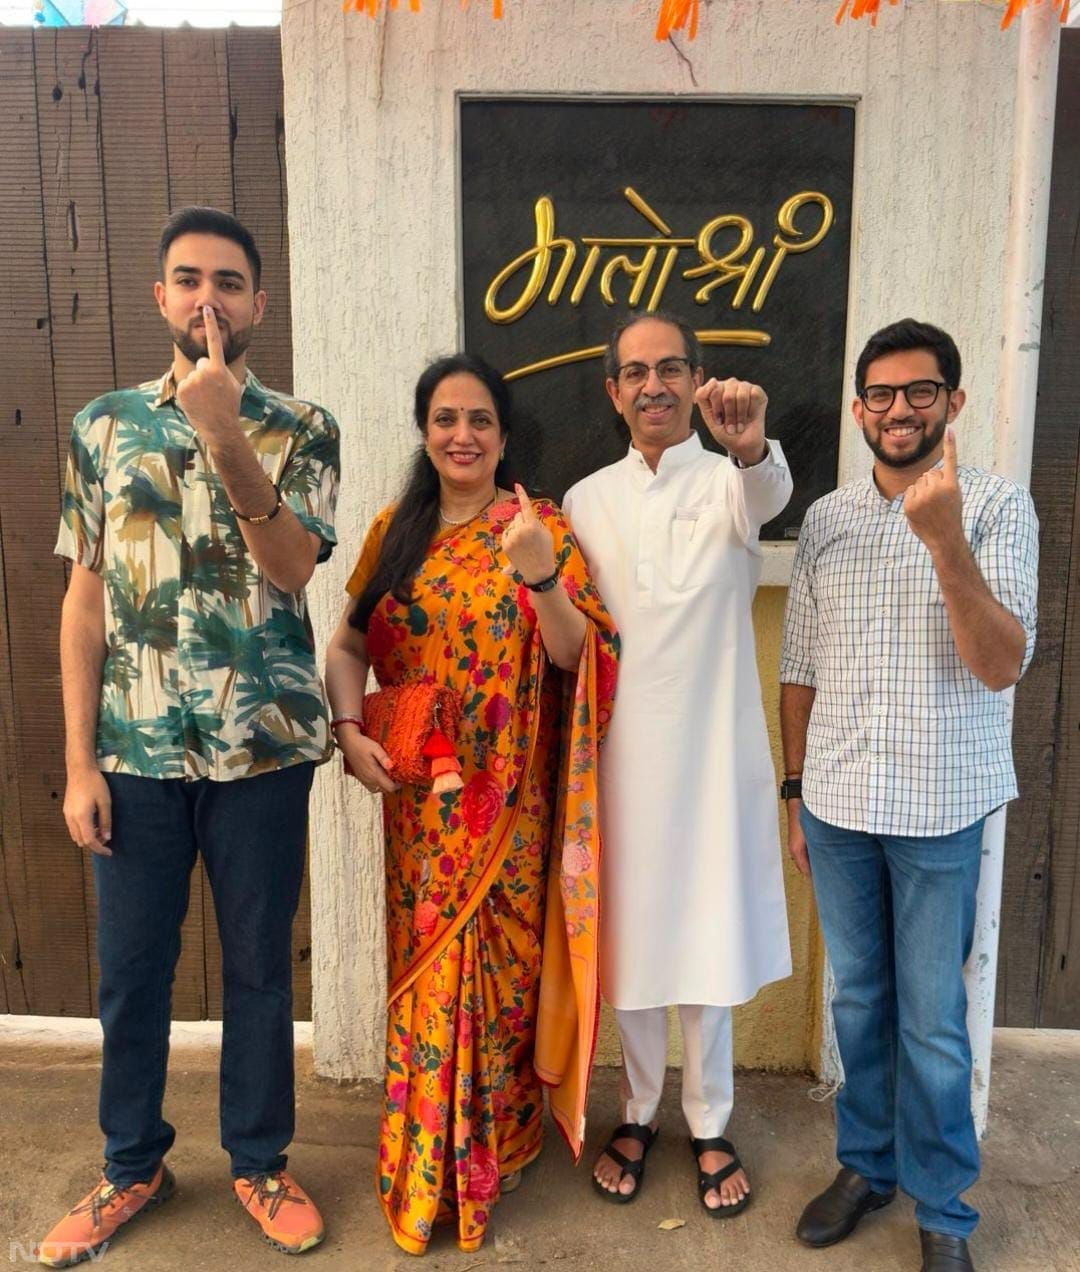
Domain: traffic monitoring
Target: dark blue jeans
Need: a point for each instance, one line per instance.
(898, 915)
(252, 835)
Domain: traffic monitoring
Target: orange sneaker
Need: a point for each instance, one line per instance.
(287, 1216)
(91, 1226)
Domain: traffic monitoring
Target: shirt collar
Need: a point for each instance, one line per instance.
(676, 456)
(252, 400)
(870, 493)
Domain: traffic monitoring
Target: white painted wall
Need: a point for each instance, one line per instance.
(372, 222)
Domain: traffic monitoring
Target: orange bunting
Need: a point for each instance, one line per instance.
(1014, 7)
(680, 15)
(859, 8)
(674, 15)
(371, 7)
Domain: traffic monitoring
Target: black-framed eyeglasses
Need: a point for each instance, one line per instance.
(918, 393)
(668, 369)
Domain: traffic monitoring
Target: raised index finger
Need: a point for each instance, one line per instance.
(950, 452)
(213, 336)
(528, 512)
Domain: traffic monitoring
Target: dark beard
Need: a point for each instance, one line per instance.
(930, 441)
(234, 343)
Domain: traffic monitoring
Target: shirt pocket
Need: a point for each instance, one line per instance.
(695, 546)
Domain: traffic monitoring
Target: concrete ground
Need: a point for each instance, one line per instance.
(1029, 1194)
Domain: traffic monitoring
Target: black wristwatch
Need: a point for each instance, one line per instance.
(545, 585)
(791, 788)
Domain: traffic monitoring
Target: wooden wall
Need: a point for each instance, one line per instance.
(102, 134)
(1039, 965)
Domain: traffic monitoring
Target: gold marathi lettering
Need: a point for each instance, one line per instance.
(538, 258)
(785, 219)
(652, 258)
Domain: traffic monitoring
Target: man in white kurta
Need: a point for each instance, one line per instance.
(693, 901)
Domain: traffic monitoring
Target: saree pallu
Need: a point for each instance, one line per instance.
(491, 891)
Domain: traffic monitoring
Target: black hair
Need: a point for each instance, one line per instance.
(690, 340)
(908, 333)
(197, 220)
(416, 515)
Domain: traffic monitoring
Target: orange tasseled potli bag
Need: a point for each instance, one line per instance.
(416, 724)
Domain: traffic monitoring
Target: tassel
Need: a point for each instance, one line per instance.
(859, 8)
(674, 15)
(445, 766)
(1015, 6)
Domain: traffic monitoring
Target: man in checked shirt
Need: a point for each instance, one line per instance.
(911, 608)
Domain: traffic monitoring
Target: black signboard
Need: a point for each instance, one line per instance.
(735, 215)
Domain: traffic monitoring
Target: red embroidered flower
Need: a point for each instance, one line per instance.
(430, 1115)
(526, 605)
(507, 510)
(483, 1174)
(464, 1030)
(398, 1093)
(607, 672)
(497, 712)
(446, 864)
(481, 803)
(427, 915)
(576, 859)
(380, 636)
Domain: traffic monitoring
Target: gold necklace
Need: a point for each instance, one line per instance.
(448, 524)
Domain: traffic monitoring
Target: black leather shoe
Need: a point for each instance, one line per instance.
(944, 1254)
(834, 1214)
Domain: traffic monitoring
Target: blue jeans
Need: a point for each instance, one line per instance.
(898, 915)
(252, 835)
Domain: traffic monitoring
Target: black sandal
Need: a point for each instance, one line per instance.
(645, 1136)
(707, 1181)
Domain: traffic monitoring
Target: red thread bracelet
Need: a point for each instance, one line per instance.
(348, 719)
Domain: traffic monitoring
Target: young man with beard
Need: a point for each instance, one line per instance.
(912, 606)
(195, 510)
(692, 895)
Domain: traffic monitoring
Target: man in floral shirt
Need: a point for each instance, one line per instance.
(196, 508)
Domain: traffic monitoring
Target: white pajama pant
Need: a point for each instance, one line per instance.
(708, 1083)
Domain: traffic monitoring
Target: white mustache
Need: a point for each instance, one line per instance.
(661, 399)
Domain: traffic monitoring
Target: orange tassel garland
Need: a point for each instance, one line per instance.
(860, 8)
(682, 15)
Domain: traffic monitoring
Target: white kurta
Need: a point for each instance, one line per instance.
(692, 908)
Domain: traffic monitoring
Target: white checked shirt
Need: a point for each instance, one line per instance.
(903, 739)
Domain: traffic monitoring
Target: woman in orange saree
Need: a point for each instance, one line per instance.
(491, 890)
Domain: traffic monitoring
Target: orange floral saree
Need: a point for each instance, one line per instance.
(491, 891)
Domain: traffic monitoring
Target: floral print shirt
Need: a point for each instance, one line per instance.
(210, 669)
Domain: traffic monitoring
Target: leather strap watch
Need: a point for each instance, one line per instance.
(791, 788)
(545, 585)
